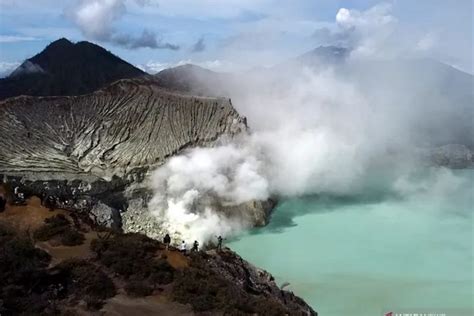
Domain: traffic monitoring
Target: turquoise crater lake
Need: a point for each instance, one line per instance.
(411, 251)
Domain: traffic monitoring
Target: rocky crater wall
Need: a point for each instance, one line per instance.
(130, 125)
(100, 147)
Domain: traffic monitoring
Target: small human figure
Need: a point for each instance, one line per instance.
(182, 247)
(219, 243)
(167, 241)
(19, 196)
(43, 197)
(50, 202)
(195, 246)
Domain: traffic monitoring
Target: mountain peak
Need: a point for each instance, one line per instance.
(325, 54)
(67, 68)
(60, 43)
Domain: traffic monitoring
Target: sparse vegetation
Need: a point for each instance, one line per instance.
(205, 290)
(23, 275)
(134, 257)
(52, 227)
(58, 226)
(138, 288)
(83, 279)
(72, 238)
(29, 287)
(161, 272)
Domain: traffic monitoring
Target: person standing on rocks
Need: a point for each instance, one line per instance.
(167, 241)
(182, 247)
(195, 246)
(43, 197)
(19, 196)
(219, 243)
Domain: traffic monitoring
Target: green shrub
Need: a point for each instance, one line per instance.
(53, 226)
(161, 273)
(128, 255)
(72, 238)
(58, 226)
(23, 275)
(47, 232)
(138, 288)
(57, 220)
(198, 288)
(85, 279)
(205, 290)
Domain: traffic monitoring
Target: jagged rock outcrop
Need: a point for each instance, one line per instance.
(244, 275)
(136, 220)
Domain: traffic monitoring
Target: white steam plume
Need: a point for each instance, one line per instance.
(320, 143)
(344, 129)
(192, 187)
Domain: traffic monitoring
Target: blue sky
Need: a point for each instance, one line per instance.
(237, 34)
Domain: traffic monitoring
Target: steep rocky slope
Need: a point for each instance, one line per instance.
(109, 273)
(66, 68)
(126, 127)
(96, 150)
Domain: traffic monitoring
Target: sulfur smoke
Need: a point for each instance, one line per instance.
(191, 189)
(342, 129)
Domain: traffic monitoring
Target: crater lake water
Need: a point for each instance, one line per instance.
(410, 251)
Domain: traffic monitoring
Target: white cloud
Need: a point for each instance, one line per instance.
(95, 17)
(427, 42)
(16, 38)
(367, 32)
(377, 16)
(375, 32)
(96, 20)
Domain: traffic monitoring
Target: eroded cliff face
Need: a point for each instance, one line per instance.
(129, 126)
(98, 149)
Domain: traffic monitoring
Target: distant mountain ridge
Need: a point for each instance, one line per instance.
(441, 94)
(194, 80)
(66, 68)
(197, 80)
